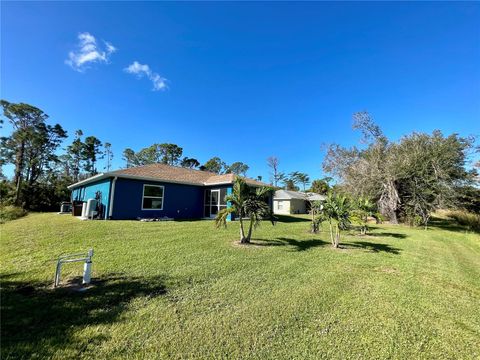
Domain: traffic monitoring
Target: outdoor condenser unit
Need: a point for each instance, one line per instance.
(91, 205)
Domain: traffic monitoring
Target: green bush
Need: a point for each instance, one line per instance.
(8, 213)
(466, 218)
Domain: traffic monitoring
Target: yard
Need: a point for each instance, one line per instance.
(185, 290)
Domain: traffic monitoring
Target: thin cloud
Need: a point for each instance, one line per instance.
(141, 70)
(89, 51)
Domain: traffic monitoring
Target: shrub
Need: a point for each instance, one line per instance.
(8, 213)
(471, 220)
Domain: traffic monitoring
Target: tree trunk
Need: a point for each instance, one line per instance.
(337, 237)
(243, 240)
(331, 234)
(249, 236)
(18, 172)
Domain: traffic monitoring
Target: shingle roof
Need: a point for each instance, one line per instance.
(168, 173)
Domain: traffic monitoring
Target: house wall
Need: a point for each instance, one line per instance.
(89, 191)
(289, 206)
(281, 207)
(179, 201)
(297, 206)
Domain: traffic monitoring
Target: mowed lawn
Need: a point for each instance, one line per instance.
(185, 290)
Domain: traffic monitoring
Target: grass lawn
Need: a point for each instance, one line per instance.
(184, 290)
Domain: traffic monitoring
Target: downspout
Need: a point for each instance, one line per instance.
(112, 192)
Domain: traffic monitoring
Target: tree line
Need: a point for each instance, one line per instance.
(44, 166)
(172, 154)
(407, 179)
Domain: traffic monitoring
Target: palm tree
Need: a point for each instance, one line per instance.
(304, 179)
(336, 210)
(299, 177)
(363, 208)
(246, 201)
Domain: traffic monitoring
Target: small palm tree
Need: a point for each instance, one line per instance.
(363, 208)
(336, 211)
(246, 202)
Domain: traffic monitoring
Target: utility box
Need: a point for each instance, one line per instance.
(77, 208)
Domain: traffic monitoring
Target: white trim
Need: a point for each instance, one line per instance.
(89, 180)
(112, 197)
(218, 202)
(153, 197)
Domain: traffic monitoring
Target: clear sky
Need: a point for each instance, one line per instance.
(244, 81)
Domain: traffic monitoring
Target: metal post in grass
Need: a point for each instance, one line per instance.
(70, 258)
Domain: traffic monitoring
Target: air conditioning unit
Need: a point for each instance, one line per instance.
(91, 206)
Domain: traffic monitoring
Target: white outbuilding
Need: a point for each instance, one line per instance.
(294, 202)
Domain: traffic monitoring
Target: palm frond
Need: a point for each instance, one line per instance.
(221, 218)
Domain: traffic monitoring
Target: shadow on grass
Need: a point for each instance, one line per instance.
(39, 319)
(298, 245)
(291, 219)
(387, 234)
(447, 224)
(372, 247)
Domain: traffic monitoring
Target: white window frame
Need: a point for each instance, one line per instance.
(279, 204)
(153, 197)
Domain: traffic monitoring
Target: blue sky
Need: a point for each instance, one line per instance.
(245, 81)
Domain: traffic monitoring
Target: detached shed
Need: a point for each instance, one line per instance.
(294, 202)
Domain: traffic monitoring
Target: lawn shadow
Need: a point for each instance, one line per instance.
(298, 245)
(447, 224)
(37, 317)
(371, 247)
(290, 219)
(387, 234)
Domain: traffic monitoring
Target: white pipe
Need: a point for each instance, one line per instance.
(112, 193)
(87, 272)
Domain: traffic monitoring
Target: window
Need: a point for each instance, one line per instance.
(152, 197)
(280, 205)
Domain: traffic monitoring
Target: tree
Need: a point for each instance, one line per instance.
(407, 179)
(32, 145)
(129, 158)
(238, 168)
(75, 153)
(430, 168)
(246, 201)
(362, 209)
(301, 178)
(289, 184)
(321, 186)
(108, 155)
(275, 175)
(190, 163)
(91, 153)
(40, 153)
(165, 153)
(215, 165)
(336, 211)
(170, 154)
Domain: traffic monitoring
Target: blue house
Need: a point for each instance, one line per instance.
(157, 191)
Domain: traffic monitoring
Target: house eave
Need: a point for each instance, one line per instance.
(113, 174)
(91, 179)
(145, 178)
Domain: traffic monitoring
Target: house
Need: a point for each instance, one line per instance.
(157, 191)
(294, 202)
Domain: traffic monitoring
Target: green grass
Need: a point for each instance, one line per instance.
(185, 290)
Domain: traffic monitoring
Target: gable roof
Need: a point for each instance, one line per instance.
(289, 194)
(168, 173)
